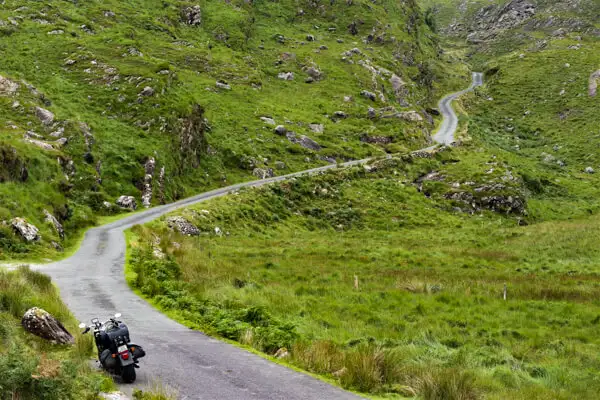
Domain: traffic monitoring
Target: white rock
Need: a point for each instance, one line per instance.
(44, 115)
(28, 231)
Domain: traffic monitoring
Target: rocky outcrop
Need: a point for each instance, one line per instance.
(411, 116)
(263, 173)
(593, 84)
(368, 95)
(303, 141)
(127, 202)
(316, 128)
(280, 130)
(147, 92)
(314, 74)
(376, 139)
(286, 76)
(491, 20)
(149, 174)
(88, 137)
(183, 226)
(7, 87)
(191, 15)
(45, 116)
(26, 230)
(223, 85)
(40, 323)
(51, 219)
(268, 121)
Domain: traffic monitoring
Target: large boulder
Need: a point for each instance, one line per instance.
(183, 226)
(127, 202)
(44, 115)
(40, 323)
(192, 15)
(26, 230)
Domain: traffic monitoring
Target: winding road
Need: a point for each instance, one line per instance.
(92, 283)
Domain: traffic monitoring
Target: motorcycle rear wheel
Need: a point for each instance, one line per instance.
(128, 374)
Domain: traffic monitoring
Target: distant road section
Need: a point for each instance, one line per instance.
(445, 135)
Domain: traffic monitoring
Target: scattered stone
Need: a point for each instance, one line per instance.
(26, 230)
(44, 115)
(376, 139)
(348, 99)
(183, 226)
(316, 128)
(132, 51)
(368, 95)
(280, 165)
(40, 323)
(56, 32)
(263, 173)
(589, 170)
(51, 219)
(223, 85)
(192, 15)
(147, 92)
(282, 353)
(340, 115)
(310, 38)
(314, 73)
(411, 116)
(39, 143)
(127, 202)
(218, 231)
(107, 205)
(304, 141)
(286, 76)
(109, 14)
(268, 121)
(280, 130)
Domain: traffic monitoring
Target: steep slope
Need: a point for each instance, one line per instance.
(162, 99)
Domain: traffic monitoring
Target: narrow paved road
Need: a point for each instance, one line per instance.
(445, 134)
(92, 284)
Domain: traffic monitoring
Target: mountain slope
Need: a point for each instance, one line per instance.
(162, 99)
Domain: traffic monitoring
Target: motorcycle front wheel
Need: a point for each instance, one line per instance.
(128, 374)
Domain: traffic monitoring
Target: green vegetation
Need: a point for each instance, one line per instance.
(391, 279)
(89, 62)
(30, 367)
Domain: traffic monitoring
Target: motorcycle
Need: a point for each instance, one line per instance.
(116, 353)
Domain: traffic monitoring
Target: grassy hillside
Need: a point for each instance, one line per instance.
(185, 88)
(364, 279)
(391, 279)
(31, 368)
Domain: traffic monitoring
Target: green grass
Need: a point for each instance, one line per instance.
(237, 42)
(30, 367)
(428, 318)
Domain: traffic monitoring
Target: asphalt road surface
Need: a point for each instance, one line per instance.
(92, 284)
(445, 135)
